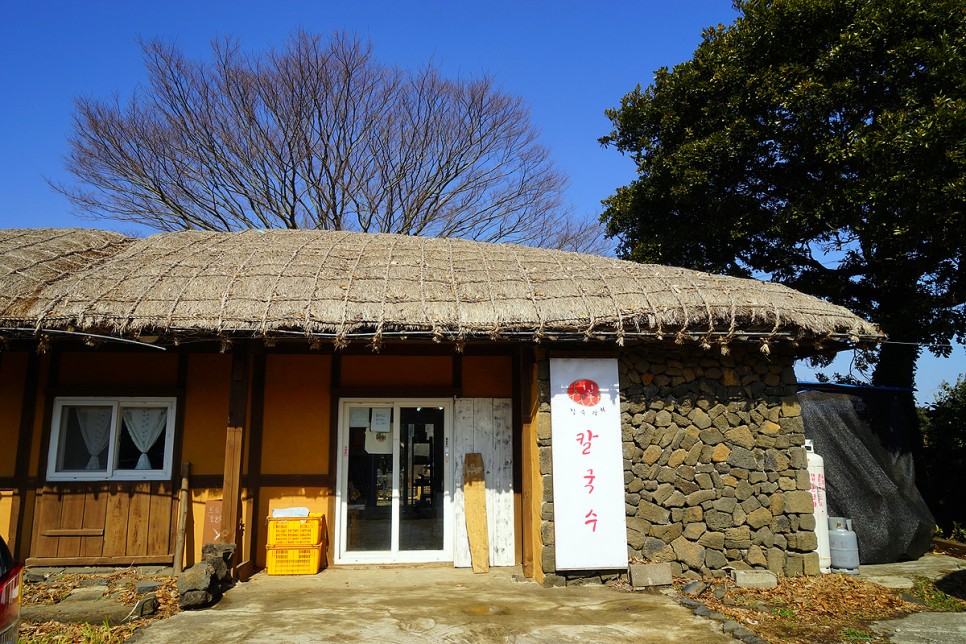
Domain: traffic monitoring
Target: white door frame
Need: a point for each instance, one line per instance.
(394, 555)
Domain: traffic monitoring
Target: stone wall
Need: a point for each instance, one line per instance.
(714, 463)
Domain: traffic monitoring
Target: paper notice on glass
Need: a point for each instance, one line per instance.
(381, 419)
(358, 416)
(378, 442)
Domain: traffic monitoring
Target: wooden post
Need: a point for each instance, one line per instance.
(178, 563)
(237, 415)
(231, 493)
(474, 502)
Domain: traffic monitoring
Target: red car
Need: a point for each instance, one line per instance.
(11, 581)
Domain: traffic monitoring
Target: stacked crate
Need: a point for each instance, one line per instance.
(296, 545)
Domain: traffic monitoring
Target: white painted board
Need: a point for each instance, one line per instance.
(590, 530)
(485, 425)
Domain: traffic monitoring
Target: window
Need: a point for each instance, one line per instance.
(98, 439)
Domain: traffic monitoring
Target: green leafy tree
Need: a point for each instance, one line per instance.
(944, 431)
(820, 142)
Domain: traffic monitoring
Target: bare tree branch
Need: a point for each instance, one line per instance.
(319, 135)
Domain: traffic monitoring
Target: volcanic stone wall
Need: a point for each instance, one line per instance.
(715, 467)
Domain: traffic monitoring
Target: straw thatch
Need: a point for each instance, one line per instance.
(346, 285)
(33, 258)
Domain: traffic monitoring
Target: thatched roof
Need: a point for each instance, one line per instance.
(33, 258)
(345, 285)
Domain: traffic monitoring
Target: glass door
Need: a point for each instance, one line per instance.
(394, 482)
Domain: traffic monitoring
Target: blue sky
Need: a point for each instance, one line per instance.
(569, 60)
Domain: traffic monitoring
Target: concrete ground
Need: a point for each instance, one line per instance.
(431, 604)
(919, 628)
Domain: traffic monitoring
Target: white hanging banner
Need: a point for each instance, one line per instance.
(588, 464)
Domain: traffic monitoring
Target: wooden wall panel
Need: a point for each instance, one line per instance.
(122, 521)
(484, 425)
(95, 515)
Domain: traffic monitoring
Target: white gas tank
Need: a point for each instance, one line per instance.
(816, 474)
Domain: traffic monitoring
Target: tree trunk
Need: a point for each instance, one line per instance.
(897, 368)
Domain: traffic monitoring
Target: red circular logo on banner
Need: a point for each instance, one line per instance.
(584, 392)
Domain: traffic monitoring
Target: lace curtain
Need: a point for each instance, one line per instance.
(145, 425)
(95, 427)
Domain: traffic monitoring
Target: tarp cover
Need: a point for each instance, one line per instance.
(869, 475)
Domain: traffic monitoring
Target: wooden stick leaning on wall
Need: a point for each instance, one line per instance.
(474, 501)
(182, 519)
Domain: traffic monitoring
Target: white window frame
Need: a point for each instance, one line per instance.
(111, 473)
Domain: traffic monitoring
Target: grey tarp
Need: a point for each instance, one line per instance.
(869, 473)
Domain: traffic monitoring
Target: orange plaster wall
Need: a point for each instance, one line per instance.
(13, 370)
(396, 371)
(295, 434)
(206, 413)
(487, 376)
(118, 369)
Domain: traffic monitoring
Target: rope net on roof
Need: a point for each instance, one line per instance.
(344, 284)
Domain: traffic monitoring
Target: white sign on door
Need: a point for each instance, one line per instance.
(588, 465)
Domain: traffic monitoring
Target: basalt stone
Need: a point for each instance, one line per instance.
(721, 453)
(676, 457)
(715, 559)
(662, 418)
(759, 518)
(740, 436)
(677, 515)
(685, 486)
(690, 438)
(756, 557)
(750, 505)
(775, 461)
(703, 480)
(806, 521)
(656, 550)
(632, 499)
(725, 505)
(743, 458)
(693, 531)
(667, 533)
(738, 515)
(787, 483)
(663, 491)
(699, 497)
(546, 460)
(699, 419)
(676, 500)
(744, 490)
(798, 457)
(794, 564)
(694, 454)
(686, 472)
(653, 513)
(777, 503)
(811, 564)
(781, 524)
(193, 599)
(804, 482)
(738, 533)
(666, 475)
(688, 553)
(802, 541)
(718, 520)
(715, 540)
(634, 485)
(711, 436)
(798, 502)
(632, 452)
(692, 514)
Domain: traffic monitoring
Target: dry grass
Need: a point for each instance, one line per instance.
(121, 587)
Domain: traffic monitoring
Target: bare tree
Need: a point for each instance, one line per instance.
(319, 135)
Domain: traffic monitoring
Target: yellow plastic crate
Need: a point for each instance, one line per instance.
(288, 531)
(294, 560)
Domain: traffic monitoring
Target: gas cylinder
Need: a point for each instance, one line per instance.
(843, 545)
(816, 474)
